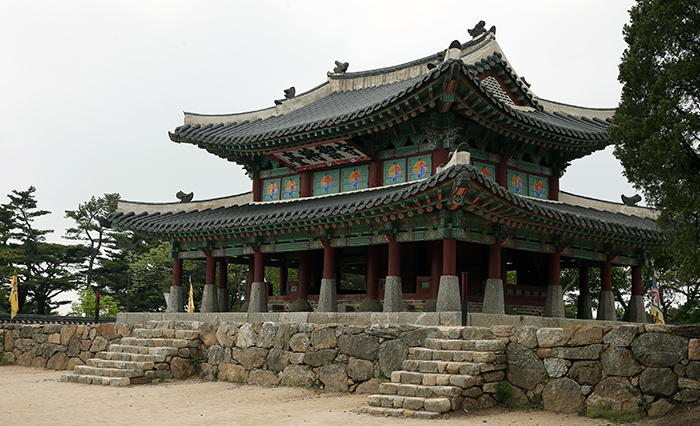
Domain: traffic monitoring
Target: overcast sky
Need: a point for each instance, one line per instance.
(89, 89)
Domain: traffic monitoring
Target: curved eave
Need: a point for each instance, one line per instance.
(461, 186)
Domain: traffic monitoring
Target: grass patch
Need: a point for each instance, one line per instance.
(3, 360)
(616, 416)
(536, 402)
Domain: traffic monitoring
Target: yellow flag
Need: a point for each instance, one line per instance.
(14, 300)
(190, 303)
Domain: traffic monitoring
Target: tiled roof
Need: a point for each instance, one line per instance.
(286, 212)
(343, 107)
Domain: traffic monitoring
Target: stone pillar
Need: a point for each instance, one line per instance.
(636, 311)
(222, 293)
(448, 295)
(494, 302)
(584, 298)
(258, 292)
(328, 299)
(393, 293)
(209, 298)
(435, 267)
(554, 306)
(606, 307)
(176, 302)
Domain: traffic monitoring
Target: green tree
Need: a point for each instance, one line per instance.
(89, 230)
(85, 306)
(656, 128)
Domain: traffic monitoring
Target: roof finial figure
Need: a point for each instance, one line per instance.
(184, 198)
(341, 67)
(631, 201)
(290, 93)
(480, 28)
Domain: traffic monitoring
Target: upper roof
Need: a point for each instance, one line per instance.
(475, 80)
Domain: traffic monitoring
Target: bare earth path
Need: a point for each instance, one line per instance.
(36, 397)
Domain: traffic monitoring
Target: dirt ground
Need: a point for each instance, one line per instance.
(37, 397)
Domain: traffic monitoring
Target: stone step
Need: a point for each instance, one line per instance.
(106, 372)
(155, 342)
(438, 405)
(123, 365)
(125, 356)
(399, 412)
(465, 345)
(144, 350)
(443, 367)
(168, 333)
(96, 380)
(458, 356)
(422, 391)
(176, 325)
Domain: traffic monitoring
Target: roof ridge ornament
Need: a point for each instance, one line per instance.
(454, 51)
(631, 201)
(288, 94)
(480, 28)
(340, 67)
(184, 198)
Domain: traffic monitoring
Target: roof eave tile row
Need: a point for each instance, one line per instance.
(249, 215)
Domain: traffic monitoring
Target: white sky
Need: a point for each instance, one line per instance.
(89, 89)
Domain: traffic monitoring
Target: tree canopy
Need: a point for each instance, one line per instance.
(656, 128)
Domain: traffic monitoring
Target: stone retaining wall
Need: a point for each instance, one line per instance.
(54, 346)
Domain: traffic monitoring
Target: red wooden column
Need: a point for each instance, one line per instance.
(495, 261)
(375, 174)
(304, 275)
(502, 172)
(222, 293)
(554, 187)
(211, 270)
(584, 299)
(635, 310)
(439, 157)
(306, 181)
(257, 189)
(449, 257)
(251, 276)
(394, 269)
(636, 281)
(209, 296)
(259, 268)
(329, 263)
(372, 272)
(284, 275)
(606, 306)
(554, 305)
(435, 267)
(177, 272)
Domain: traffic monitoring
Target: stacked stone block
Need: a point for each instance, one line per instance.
(445, 375)
(146, 354)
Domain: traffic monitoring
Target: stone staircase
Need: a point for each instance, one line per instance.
(142, 357)
(446, 375)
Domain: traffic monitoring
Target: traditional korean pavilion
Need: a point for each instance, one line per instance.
(391, 187)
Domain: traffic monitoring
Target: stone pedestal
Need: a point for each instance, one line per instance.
(209, 302)
(176, 303)
(448, 294)
(493, 297)
(393, 295)
(635, 311)
(258, 298)
(223, 299)
(584, 310)
(327, 298)
(554, 305)
(606, 307)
